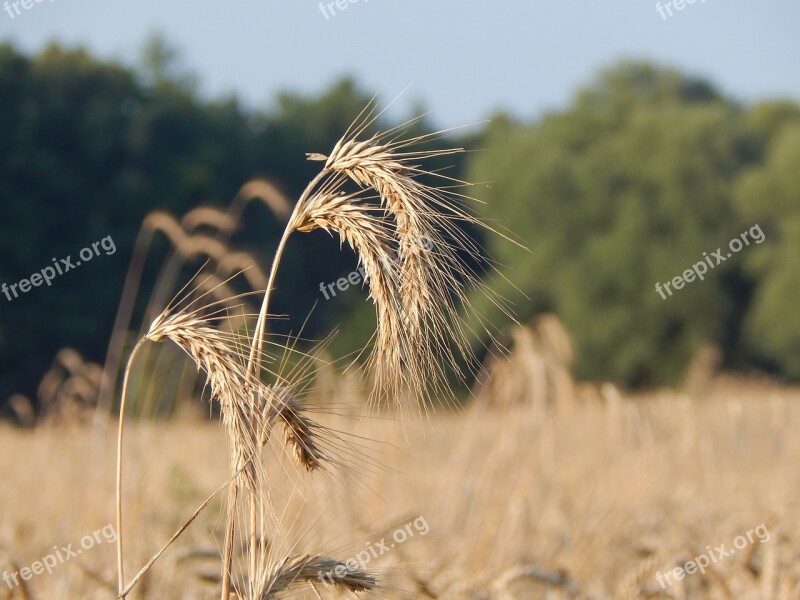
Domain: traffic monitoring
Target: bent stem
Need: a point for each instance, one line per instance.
(123, 403)
(254, 360)
(121, 323)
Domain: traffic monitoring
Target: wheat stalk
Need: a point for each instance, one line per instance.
(408, 237)
(417, 294)
(413, 250)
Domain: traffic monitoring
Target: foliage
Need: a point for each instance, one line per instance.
(628, 186)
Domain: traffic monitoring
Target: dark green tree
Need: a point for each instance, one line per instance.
(625, 189)
(768, 195)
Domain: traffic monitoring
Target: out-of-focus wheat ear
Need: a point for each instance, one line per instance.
(208, 216)
(267, 193)
(244, 264)
(298, 570)
(153, 222)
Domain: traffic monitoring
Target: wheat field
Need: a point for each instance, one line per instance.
(588, 501)
(311, 482)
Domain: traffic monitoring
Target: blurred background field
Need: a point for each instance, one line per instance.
(621, 434)
(589, 501)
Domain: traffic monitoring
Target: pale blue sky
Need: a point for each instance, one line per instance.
(464, 58)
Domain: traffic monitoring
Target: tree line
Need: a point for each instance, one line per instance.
(628, 186)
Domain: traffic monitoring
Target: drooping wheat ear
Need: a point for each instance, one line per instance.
(208, 216)
(267, 193)
(229, 384)
(416, 255)
(298, 570)
(250, 409)
(302, 434)
(429, 254)
(371, 238)
(244, 263)
(237, 394)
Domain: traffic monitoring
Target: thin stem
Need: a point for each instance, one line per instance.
(253, 538)
(254, 361)
(254, 371)
(123, 403)
(121, 323)
(230, 530)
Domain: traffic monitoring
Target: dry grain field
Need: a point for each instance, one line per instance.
(590, 502)
(311, 482)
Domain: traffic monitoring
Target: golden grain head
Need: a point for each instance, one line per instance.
(409, 238)
(408, 234)
(212, 353)
(302, 435)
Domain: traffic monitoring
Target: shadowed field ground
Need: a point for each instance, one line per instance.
(589, 502)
